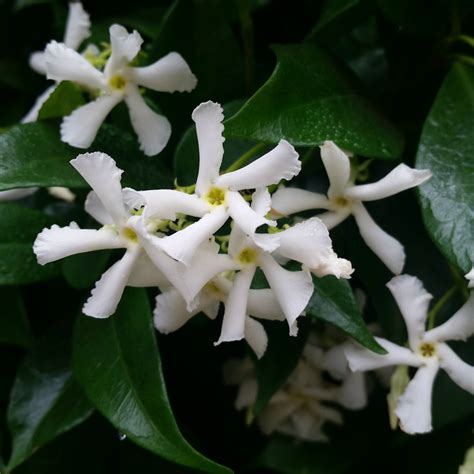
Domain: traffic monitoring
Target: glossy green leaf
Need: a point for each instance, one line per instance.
(81, 271)
(45, 400)
(333, 302)
(19, 227)
(64, 99)
(446, 148)
(14, 325)
(309, 98)
(33, 155)
(117, 362)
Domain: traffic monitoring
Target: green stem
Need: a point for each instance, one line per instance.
(241, 161)
(460, 281)
(439, 304)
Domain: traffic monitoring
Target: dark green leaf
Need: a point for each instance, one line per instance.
(14, 325)
(19, 227)
(311, 98)
(333, 302)
(446, 147)
(33, 155)
(45, 401)
(83, 270)
(20, 4)
(118, 364)
(64, 99)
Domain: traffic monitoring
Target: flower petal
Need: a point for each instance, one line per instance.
(65, 64)
(94, 207)
(262, 304)
(171, 73)
(58, 242)
(183, 244)
(461, 374)
(335, 362)
(80, 128)
(414, 406)
(103, 176)
(399, 179)
(274, 414)
(280, 163)
(170, 312)
(338, 168)
(256, 336)
(106, 295)
(77, 26)
(387, 248)
(208, 118)
(333, 265)
(361, 359)
(261, 201)
(460, 326)
(470, 278)
(233, 324)
(153, 130)
(166, 203)
(413, 301)
(32, 115)
(287, 201)
(125, 47)
(332, 219)
(62, 193)
(247, 394)
(37, 62)
(352, 394)
(17, 193)
(147, 275)
(292, 289)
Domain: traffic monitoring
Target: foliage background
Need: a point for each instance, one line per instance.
(400, 53)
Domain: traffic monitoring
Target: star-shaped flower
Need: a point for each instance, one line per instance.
(119, 80)
(427, 351)
(345, 198)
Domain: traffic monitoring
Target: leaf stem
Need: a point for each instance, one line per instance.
(439, 304)
(242, 160)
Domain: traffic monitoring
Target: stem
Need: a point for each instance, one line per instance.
(460, 281)
(242, 160)
(439, 304)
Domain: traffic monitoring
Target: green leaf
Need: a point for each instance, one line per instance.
(19, 227)
(309, 98)
(446, 146)
(20, 4)
(333, 302)
(117, 362)
(45, 401)
(83, 270)
(14, 325)
(64, 99)
(279, 361)
(33, 155)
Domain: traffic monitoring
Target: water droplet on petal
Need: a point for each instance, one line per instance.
(121, 436)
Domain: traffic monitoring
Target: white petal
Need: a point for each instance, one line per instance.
(414, 406)
(413, 301)
(208, 118)
(96, 209)
(261, 201)
(461, 374)
(106, 295)
(335, 361)
(233, 324)
(280, 163)
(37, 62)
(237, 241)
(170, 312)
(247, 394)
(62, 193)
(460, 326)
(470, 278)
(65, 64)
(80, 128)
(132, 200)
(352, 394)
(325, 412)
(18, 193)
(103, 176)
(387, 248)
(153, 130)
(183, 244)
(243, 215)
(58, 242)
(399, 179)
(333, 265)
(332, 219)
(169, 74)
(166, 203)
(361, 359)
(125, 46)
(287, 201)
(146, 274)
(32, 115)
(77, 26)
(263, 304)
(276, 413)
(256, 336)
(292, 289)
(338, 168)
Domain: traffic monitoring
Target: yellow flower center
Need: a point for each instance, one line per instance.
(427, 349)
(215, 196)
(118, 82)
(341, 201)
(130, 234)
(247, 256)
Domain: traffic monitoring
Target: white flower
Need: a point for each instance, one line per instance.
(119, 81)
(427, 351)
(470, 278)
(344, 198)
(217, 196)
(114, 208)
(77, 30)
